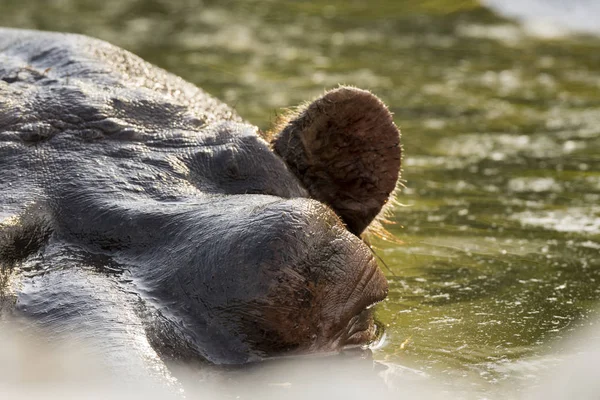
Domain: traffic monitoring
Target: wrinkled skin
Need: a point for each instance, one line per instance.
(134, 204)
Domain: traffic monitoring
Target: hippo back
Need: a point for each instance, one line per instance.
(85, 90)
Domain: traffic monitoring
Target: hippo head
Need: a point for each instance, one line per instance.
(237, 248)
(272, 263)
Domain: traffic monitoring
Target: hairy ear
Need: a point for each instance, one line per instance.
(345, 148)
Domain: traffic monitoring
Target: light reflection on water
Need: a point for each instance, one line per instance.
(554, 17)
(500, 218)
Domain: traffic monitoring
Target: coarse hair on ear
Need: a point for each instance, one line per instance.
(345, 149)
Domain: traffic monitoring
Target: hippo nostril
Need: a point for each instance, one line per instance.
(363, 321)
(369, 288)
(361, 330)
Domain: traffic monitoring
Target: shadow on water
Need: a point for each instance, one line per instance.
(500, 217)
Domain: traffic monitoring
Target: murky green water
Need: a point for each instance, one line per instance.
(500, 217)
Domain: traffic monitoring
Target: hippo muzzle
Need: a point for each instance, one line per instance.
(276, 277)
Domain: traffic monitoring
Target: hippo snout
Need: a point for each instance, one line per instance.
(287, 276)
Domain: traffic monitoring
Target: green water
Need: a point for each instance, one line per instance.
(500, 214)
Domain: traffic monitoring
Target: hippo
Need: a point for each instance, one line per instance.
(142, 214)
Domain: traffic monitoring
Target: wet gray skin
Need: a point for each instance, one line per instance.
(130, 197)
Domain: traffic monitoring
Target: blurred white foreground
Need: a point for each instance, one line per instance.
(31, 368)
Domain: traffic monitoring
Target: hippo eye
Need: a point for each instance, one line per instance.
(232, 170)
(229, 161)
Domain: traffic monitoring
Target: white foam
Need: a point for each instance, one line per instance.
(574, 219)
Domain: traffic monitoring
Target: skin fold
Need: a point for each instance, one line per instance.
(139, 212)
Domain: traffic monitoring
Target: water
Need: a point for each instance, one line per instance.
(499, 218)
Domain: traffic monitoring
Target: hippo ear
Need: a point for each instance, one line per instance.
(345, 149)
